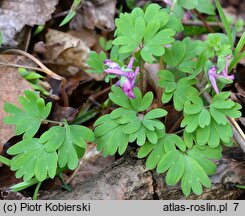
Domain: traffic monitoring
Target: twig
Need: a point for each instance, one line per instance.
(38, 62)
(28, 39)
(199, 23)
(44, 69)
(74, 173)
(23, 66)
(176, 125)
(232, 120)
(61, 14)
(203, 21)
(93, 97)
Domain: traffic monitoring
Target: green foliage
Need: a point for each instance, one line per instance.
(237, 55)
(240, 186)
(33, 78)
(240, 45)
(71, 13)
(60, 146)
(128, 124)
(33, 160)
(209, 125)
(191, 166)
(4, 160)
(23, 185)
(206, 6)
(96, 62)
(131, 4)
(186, 159)
(203, 6)
(188, 4)
(182, 55)
(57, 149)
(145, 30)
(239, 25)
(30, 117)
(215, 51)
(180, 90)
(39, 29)
(148, 35)
(217, 44)
(225, 22)
(105, 45)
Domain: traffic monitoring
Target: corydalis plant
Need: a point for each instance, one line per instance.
(186, 157)
(38, 158)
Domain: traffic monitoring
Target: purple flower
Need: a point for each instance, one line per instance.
(129, 75)
(111, 64)
(168, 2)
(213, 76)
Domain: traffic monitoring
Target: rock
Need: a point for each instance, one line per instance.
(15, 14)
(12, 86)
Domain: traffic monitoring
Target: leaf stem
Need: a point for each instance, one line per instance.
(176, 125)
(204, 89)
(142, 75)
(51, 121)
(180, 131)
(35, 195)
(161, 63)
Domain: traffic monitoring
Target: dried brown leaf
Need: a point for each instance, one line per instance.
(95, 14)
(64, 49)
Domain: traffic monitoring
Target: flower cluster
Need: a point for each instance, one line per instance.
(127, 76)
(213, 76)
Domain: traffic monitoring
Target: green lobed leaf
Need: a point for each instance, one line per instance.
(175, 54)
(175, 24)
(118, 97)
(203, 155)
(189, 139)
(204, 118)
(172, 140)
(53, 138)
(146, 101)
(194, 177)
(188, 4)
(32, 160)
(73, 145)
(96, 62)
(206, 6)
(214, 139)
(191, 122)
(218, 116)
(153, 44)
(4, 160)
(202, 135)
(29, 119)
(155, 113)
(183, 91)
